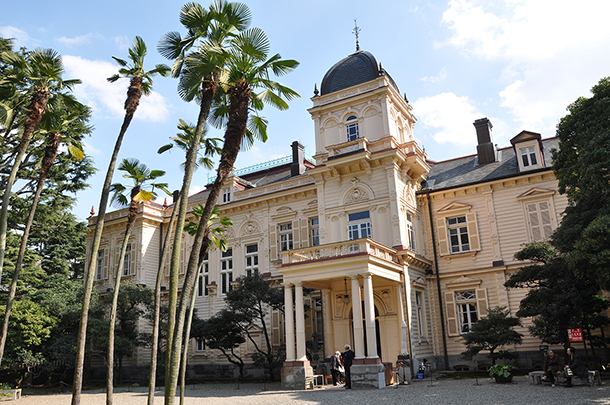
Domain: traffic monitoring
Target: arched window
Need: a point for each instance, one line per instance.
(351, 128)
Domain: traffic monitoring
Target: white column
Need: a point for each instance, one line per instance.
(402, 323)
(300, 322)
(369, 316)
(289, 317)
(329, 333)
(357, 312)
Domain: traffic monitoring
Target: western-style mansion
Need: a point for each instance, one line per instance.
(376, 245)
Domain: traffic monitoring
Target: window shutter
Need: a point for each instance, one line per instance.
(545, 217)
(183, 263)
(473, 231)
(296, 234)
(132, 266)
(482, 302)
(106, 263)
(272, 242)
(117, 256)
(532, 215)
(443, 240)
(276, 328)
(168, 259)
(304, 233)
(452, 322)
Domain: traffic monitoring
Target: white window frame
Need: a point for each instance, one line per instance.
(226, 195)
(204, 278)
(99, 265)
(286, 236)
(528, 156)
(352, 129)
(359, 225)
(226, 271)
(412, 244)
(314, 224)
(457, 230)
(467, 311)
(251, 259)
(419, 296)
(200, 345)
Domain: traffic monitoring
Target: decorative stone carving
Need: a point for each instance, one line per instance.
(251, 228)
(357, 195)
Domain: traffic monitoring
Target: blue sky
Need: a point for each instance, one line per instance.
(518, 62)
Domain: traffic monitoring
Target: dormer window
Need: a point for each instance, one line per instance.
(528, 157)
(351, 128)
(226, 195)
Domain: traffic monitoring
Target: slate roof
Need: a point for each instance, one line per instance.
(357, 68)
(466, 170)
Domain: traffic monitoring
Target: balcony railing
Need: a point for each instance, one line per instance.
(339, 249)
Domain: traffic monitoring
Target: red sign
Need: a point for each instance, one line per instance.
(575, 335)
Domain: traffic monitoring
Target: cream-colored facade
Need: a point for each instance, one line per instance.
(402, 253)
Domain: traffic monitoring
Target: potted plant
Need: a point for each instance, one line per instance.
(502, 373)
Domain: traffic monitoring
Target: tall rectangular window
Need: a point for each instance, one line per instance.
(204, 280)
(528, 156)
(251, 259)
(410, 232)
(467, 309)
(127, 261)
(359, 225)
(458, 234)
(539, 220)
(99, 266)
(226, 271)
(314, 224)
(420, 318)
(200, 345)
(285, 231)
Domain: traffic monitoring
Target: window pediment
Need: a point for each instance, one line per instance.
(536, 192)
(464, 282)
(454, 207)
(284, 212)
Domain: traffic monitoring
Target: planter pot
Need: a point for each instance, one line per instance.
(503, 380)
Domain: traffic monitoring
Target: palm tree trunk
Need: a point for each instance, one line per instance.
(157, 314)
(133, 209)
(239, 96)
(37, 108)
(187, 334)
(97, 237)
(208, 90)
(49, 157)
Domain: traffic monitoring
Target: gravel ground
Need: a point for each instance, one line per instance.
(437, 392)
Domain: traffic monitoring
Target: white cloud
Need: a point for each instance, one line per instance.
(21, 37)
(447, 117)
(105, 97)
(195, 189)
(90, 149)
(75, 41)
(122, 42)
(552, 52)
(442, 75)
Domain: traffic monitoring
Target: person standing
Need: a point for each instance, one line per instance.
(552, 366)
(335, 367)
(576, 367)
(347, 357)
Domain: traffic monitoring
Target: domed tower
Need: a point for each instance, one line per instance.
(359, 100)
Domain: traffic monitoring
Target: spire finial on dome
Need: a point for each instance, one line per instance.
(315, 90)
(356, 31)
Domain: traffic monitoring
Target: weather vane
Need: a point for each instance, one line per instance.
(356, 31)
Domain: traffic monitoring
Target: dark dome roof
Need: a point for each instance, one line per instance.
(357, 68)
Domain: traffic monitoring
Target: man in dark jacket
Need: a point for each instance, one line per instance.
(347, 357)
(577, 367)
(552, 366)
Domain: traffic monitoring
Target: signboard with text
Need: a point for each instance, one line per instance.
(575, 335)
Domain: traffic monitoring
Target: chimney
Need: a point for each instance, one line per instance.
(297, 167)
(485, 149)
(175, 195)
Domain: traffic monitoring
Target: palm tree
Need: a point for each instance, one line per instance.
(39, 75)
(140, 83)
(60, 125)
(141, 175)
(248, 69)
(217, 239)
(183, 139)
(199, 79)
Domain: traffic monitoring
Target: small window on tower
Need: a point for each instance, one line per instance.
(351, 127)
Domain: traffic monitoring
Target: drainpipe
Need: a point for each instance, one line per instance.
(405, 309)
(438, 283)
